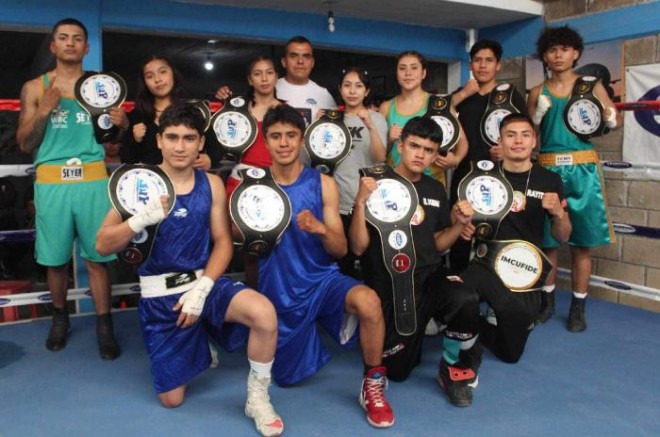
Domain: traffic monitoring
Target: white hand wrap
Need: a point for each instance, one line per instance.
(542, 105)
(193, 299)
(610, 121)
(153, 213)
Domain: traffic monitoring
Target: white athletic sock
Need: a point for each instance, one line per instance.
(465, 345)
(260, 370)
(579, 295)
(548, 288)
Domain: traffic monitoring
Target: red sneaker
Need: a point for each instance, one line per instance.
(372, 399)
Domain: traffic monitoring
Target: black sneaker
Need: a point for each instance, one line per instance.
(108, 346)
(454, 381)
(471, 359)
(59, 330)
(576, 319)
(547, 307)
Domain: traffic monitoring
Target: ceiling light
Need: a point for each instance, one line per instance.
(331, 17)
(208, 65)
(331, 21)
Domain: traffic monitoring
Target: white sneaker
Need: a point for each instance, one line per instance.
(259, 408)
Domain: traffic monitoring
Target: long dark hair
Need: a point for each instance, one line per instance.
(250, 92)
(144, 100)
(363, 75)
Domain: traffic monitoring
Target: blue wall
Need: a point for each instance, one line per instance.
(277, 26)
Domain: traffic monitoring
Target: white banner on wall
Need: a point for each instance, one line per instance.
(641, 135)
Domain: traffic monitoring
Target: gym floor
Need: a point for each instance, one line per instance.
(603, 382)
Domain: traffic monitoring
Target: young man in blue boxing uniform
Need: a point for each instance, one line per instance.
(301, 278)
(185, 298)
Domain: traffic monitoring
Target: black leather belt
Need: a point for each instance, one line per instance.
(389, 209)
(584, 113)
(131, 187)
(204, 108)
(235, 128)
(519, 264)
(328, 141)
(500, 104)
(489, 193)
(438, 110)
(260, 209)
(98, 93)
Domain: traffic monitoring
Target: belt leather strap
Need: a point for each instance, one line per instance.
(130, 188)
(260, 209)
(438, 110)
(519, 264)
(500, 104)
(389, 210)
(235, 128)
(97, 93)
(489, 193)
(584, 113)
(328, 141)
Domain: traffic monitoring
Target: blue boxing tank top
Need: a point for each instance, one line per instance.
(183, 239)
(299, 262)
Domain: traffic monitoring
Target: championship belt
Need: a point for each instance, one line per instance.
(205, 108)
(131, 188)
(519, 264)
(97, 93)
(328, 141)
(490, 195)
(500, 104)
(235, 128)
(439, 111)
(390, 209)
(260, 209)
(584, 114)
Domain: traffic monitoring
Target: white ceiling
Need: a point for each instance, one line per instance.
(462, 14)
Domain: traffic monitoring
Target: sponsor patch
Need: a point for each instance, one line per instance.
(397, 239)
(393, 350)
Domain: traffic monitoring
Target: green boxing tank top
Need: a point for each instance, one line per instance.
(69, 134)
(555, 136)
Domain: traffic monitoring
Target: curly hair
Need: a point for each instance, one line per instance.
(559, 36)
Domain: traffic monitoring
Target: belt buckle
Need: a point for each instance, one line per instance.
(564, 159)
(180, 279)
(72, 173)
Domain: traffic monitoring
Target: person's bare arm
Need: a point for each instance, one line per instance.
(461, 216)
(358, 232)
(35, 111)
(613, 118)
(331, 229)
(561, 226)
